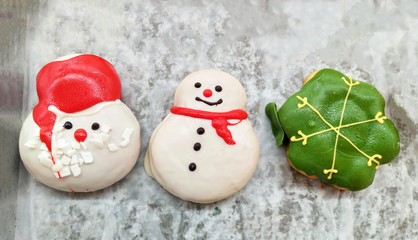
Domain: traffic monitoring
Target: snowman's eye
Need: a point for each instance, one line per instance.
(197, 85)
(68, 125)
(95, 126)
(218, 88)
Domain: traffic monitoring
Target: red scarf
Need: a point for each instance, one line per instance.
(219, 119)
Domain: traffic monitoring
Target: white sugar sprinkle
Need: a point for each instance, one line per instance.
(43, 147)
(30, 144)
(124, 143)
(65, 160)
(57, 166)
(112, 147)
(75, 145)
(87, 157)
(71, 152)
(83, 145)
(45, 159)
(104, 137)
(105, 128)
(74, 159)
(61, 143)
(76, 170)
(65, 172)
(127, 133)
(97, 142)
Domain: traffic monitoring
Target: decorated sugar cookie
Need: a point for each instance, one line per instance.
(205, 149)
(337, 128)
(80, 137)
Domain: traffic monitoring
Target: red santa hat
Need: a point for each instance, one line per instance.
(73, 85)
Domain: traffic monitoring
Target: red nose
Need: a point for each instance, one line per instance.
(207, 93)
(80, 135)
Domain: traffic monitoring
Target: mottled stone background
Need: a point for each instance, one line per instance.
(270, 46)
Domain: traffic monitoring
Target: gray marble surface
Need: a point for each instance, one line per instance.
(12, 37)
(270, 46)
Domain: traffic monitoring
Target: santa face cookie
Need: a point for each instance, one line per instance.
(205, 150)
(80, 137)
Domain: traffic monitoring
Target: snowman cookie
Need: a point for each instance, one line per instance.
(80, 137)
(205, 150)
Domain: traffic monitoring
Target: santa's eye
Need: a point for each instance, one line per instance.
(197, 85)
(95, 126)
(218, 88)
(68, 125)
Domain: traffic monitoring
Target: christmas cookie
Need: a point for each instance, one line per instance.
(337, 128)
(80, 137)
(205, 150)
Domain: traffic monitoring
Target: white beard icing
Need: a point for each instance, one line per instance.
(107, 153)
(70, 156)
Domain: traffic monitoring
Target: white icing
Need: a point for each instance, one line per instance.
(222, 169)
(37, 132)
(59, 135)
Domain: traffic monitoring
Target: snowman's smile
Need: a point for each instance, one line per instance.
(209, 103)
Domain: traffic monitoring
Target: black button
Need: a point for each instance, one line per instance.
(200, 131)
(192, 167)
(197, 85)
(218, 88)
(197, 146)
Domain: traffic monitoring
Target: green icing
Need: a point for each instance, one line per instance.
(272, 114)
(376, 143)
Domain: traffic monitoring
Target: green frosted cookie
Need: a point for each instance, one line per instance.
(337, 128)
